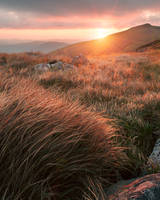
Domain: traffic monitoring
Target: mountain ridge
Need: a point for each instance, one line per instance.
(31, 46)
(124, 41)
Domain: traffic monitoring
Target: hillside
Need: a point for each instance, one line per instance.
(71, 133)
(125, 41)
(150, 46)
(34, 46)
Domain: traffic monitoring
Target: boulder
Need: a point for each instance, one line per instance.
(57, 66)
(144, 188)
(54, 65)
(154, 158)
(80, 60)
(42, 67)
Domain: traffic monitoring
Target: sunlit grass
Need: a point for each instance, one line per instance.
(117, 96)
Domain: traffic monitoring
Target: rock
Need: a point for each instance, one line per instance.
(57, 66)
(42, 67)
(80, 60)
(54, 65)
(144, 188)
(154, 158)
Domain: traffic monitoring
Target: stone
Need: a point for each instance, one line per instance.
(41, 67)
(57, 66)
(154, 158)
(144, 188)
(54, 66)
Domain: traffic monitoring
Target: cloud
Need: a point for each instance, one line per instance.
(47, 14)
(79, 7)
(16, 20)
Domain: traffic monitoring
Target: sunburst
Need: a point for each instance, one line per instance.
(101, 33)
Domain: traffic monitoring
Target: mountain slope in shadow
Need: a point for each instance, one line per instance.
(149, 46)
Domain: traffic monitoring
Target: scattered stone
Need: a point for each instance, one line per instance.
(144, 188)
(54, 66)
(41, 67)
(80, 60)
(57, 66)
(154, 158)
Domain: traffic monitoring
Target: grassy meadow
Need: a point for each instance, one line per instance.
(71, 134)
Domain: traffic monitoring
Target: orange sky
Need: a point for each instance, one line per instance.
(56, 34)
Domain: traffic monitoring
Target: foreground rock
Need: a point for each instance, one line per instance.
(145, 188)
(154, 158)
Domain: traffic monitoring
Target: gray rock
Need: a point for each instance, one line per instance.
(154, 158)
(144, 188)
(54, 66)
(41, 67)
(57, 66)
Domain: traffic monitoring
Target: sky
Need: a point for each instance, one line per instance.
(73, 20)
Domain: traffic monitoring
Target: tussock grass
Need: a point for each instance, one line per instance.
(52, 149)
(126, 91)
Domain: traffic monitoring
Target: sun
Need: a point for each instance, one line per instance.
(101, 33)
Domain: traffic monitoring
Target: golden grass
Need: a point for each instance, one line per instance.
(53, 149)
(61, 148)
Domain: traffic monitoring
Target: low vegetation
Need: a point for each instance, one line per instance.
(70, 134)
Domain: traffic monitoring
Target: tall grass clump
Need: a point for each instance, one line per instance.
(126, 90)
(52, 149)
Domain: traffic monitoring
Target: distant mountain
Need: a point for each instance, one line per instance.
(124, 41)
(44, 47)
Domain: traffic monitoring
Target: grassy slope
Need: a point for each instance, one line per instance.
(150, 46)
(124, 41)
(123, 99)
